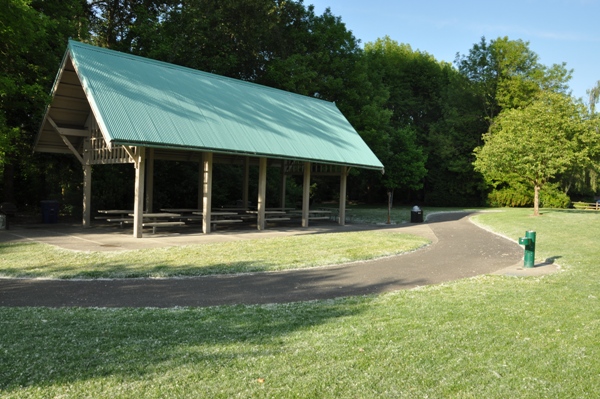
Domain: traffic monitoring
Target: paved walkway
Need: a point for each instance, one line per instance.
(459, 249)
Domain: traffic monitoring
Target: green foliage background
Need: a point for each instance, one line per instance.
(423, 118)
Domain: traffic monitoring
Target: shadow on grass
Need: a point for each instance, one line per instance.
(44, 347)
(258, 288)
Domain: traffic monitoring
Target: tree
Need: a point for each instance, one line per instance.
(405, 165)
(594, 96)
(534, 144)
(507, 74)
(131, 26)
(33, 37)
(19, 83)
(452, 180)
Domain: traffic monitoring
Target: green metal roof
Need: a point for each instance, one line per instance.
(142, 102)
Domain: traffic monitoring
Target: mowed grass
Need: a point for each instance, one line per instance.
(484, 337)
(295, 252)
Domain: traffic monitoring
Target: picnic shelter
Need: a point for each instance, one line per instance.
(109, 107)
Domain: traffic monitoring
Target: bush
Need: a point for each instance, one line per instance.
(522, 196)
(518, 196)
(552, 197)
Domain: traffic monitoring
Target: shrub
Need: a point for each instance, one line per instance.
(552, 197)
(517, 196)
(521, 196)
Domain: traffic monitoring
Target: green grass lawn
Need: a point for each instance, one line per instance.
(484, 337)
(294, 252)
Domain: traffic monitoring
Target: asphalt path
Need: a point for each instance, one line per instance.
(459, 250)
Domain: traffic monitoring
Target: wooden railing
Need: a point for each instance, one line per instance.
(587, 205)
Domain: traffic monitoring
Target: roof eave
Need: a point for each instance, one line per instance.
(245, 153)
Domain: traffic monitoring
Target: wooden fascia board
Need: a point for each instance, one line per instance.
(93, 106)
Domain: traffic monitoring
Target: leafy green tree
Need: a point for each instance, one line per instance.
(534, 144)
(451, 139)
(33, 36)
(594, 96)
(507, 74)
(20, 31)
(405, 165)
(131, 26)
(437, 104)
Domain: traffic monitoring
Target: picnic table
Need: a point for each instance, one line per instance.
(271, 215)
(155, 220)
(120, 216)
(315, 214)
(218, 217)
(181, 210)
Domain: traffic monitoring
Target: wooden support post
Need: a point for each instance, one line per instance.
(342, 210)
(87, 184)
(138, 203)
(262, 193)
(149, 180)
(201, 184)
(207, 170)
(87, 195)
(306, 194)
(246, 183)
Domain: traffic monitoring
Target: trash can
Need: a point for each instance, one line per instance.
(416, 215)
(49, 211)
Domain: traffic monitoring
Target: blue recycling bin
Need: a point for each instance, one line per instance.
(49, 211)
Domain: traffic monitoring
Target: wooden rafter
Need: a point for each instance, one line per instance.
(63, 136)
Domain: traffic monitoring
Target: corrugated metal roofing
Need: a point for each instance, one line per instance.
(138, 101)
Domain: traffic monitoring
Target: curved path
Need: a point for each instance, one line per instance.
(459, 249)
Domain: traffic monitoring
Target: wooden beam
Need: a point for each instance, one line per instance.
(64, 131)
(200, 184)
(138, 203)
(74, 132)
(87, 195)
(73, 150)
(87, 185)
(131, 152)
(65, 139)
(306, 194)
(207, 191)
(262, 193)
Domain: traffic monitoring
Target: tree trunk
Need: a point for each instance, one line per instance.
(536, 201)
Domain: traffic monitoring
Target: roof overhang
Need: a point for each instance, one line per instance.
(136, 101)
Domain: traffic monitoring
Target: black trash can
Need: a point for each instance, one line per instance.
(416, 215)
(49, 211)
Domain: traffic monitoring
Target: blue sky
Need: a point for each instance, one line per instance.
(557, 30)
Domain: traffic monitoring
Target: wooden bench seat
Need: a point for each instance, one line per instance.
(214, 222)
(121, 221)
(225, 221)
(192, 218)
(319, 218)
(154, 225)
(276, 219)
